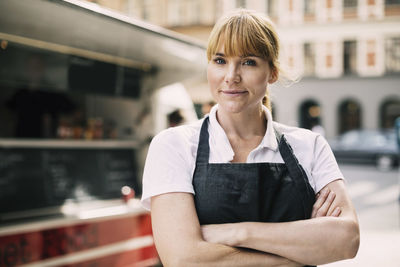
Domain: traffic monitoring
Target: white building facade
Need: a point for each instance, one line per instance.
(347, 53)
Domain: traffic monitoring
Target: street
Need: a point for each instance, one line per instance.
(375, 196)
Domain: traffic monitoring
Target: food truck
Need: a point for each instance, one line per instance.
(79, 103)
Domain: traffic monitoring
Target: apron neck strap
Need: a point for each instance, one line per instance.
(284, 148)
(278, 135)
(288, 155)
(203, 149)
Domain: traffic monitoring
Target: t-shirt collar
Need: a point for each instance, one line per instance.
(269, 140)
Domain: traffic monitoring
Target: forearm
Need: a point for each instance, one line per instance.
(208, 254)
(179, 240)
(315, 241)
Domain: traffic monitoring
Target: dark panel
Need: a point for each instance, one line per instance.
(91, 76)
(40, 178)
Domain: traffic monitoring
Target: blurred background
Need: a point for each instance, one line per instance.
(110, 74)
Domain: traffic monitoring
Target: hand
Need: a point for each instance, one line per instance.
(323, 206)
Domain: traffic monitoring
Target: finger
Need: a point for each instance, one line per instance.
(323, 210)
(336, 212)
(321, 197)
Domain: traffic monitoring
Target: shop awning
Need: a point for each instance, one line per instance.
(87, 30)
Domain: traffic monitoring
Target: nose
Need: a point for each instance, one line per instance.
(233, 74)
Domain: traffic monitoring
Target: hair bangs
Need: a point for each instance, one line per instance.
(240, 36)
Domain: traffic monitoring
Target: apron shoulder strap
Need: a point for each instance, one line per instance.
(203, 149)
(286, 150)
(295, 170)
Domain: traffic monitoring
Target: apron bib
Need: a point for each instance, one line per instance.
(257, 192)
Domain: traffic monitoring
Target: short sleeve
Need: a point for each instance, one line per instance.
(167, 168)
(324, 168)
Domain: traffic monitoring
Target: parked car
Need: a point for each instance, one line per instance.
(377, 147)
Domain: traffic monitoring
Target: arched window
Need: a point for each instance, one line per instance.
(389, 111)
(310, 114)
(349, 116)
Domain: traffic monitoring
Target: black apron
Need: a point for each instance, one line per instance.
(256, 192)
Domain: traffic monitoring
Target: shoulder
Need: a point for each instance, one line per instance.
(175, 145)
(314, 154)
(178, 137)
(170, 162)
(296, 136)
(304, 142)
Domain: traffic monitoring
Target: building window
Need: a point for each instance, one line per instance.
(328, 55)
(392, 2)
(310, 114)
(349, 58)
(290, 6)
(371, 55)
(274, 111)
(389, 111)
(241, 3)
(309, 7)
(392, 55)
(350, 3)
(273, 8)
(309, 59)
(189, 12)
(145, 12)
(392, 8)
(350, 9)
(174, 13)
(349, 116)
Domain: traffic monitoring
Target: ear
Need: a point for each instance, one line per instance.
(273, 77)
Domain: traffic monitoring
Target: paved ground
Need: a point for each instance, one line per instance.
(375, 196)
(377, 249)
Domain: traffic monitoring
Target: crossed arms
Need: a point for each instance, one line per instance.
(331, 234)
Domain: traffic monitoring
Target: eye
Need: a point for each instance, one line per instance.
(249, 62)
(219, 60)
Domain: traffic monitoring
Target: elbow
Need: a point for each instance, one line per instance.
(341, 244)
(182, 258)
(175, 261)
(182, 262)
(352, 240)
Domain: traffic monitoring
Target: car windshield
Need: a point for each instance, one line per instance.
(374, 139)
(350, 138)
(362, 139)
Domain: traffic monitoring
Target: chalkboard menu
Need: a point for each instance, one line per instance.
(35, 178)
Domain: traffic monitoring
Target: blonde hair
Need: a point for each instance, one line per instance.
(245, 32)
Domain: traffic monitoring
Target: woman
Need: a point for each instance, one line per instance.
(236, 188)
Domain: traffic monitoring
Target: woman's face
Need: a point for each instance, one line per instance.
(238, 83)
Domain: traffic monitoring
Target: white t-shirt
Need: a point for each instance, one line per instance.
(171, 158)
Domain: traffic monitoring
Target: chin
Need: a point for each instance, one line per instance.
(232, 107)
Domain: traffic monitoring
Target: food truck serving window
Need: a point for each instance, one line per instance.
(45, 178)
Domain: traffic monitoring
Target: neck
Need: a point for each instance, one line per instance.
(245, 125)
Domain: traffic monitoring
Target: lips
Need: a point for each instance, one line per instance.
(234, 92)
